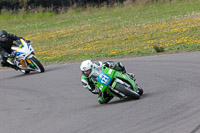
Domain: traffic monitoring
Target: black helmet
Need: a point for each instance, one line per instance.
(3, 36)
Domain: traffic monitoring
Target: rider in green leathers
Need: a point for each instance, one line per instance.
(87, 68)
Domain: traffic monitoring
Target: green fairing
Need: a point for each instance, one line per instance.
(126, 77)
(111, 75)
(114, 74)
(114, 84)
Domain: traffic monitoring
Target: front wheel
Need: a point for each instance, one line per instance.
(139, 90)
(35, 64)
(127, 91)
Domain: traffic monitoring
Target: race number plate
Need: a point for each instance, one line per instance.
(104, 79)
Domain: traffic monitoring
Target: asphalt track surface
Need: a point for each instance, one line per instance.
(56, 102)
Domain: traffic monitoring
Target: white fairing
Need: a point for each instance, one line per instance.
(23, 52)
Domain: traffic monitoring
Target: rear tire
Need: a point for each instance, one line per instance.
(39, 67)
(127, 91)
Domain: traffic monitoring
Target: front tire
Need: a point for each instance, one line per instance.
(37, 65)
(140, 90)
(127, 91)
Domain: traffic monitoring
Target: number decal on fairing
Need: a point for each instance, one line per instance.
(104, 79)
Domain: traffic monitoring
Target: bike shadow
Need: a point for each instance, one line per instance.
(22, 75)
(118, 101)
(50, 68)
(47, 69)
(121, 101)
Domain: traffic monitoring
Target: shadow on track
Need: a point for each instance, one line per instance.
(125, 100)
(33, 73)
(22, 75)
(119, 101)
(196, 129)
(47, 69)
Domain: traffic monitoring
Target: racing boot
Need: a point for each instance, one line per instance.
(6, 64)
(104, 98)
(14, 67)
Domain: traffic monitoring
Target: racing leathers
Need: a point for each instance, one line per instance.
(89, 85)
(5, 50)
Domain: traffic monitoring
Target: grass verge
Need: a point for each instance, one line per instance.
(105, 32)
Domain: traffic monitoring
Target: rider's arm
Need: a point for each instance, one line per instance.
(1, 48)
(115, 65)
(88, 84)
(109, 64)
(14, 37)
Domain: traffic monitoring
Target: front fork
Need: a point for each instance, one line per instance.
(29, 62)
(24, 64)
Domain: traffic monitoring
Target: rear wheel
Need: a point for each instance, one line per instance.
(36, 65)
(127, 91)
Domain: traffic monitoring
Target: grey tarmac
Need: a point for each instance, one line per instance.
(56, 102)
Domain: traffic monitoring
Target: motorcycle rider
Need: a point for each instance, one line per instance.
(6, 42)
(88, 66)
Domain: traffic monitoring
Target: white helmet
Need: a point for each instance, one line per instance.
(86, 67)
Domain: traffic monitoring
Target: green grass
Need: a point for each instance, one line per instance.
(109, 32)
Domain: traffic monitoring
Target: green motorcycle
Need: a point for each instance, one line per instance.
(116, 83)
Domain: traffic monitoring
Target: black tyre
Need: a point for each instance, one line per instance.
(140, 91)
(37, 65)
(127, 91)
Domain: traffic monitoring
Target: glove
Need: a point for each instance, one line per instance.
(95, 90)
(28, 41)
(109, 64)
(119, 64)
(123, 71)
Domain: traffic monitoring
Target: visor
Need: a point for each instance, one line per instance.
(3, 37)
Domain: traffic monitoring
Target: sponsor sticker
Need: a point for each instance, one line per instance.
(110, 71)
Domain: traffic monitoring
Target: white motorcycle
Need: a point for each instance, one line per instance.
(25, 58)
